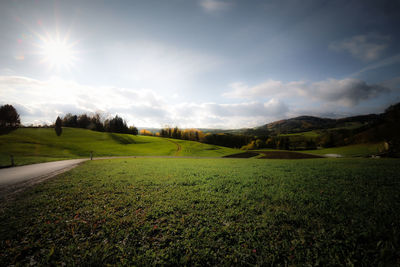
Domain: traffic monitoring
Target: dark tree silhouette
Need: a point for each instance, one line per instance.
(70, 120)
(133, 130)
(57, 126)
(116, 125)
(9, 117)
(83, 121)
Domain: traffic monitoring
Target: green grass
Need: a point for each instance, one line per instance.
(190, 148)
(209, 212)
(360, 150)
(29, 145)
(349, 126)
(309, 134)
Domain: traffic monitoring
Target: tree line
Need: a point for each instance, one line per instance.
(221, 139)
(246, 142)
(96, 122)
(281, 142)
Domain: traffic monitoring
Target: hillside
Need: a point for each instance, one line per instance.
(309, 123)
(29, 145)
(303, 124)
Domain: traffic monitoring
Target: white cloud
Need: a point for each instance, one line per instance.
(214, 5)
(42, 101)
(345, 92)
(366, 47)
(247, 114)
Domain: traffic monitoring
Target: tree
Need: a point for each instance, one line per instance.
(70, 120)
(9, 117)
(97, 122)
(116, 125)
(146, 132)
(58, 125)
(259, 143)
(133, 130)
(83, 121)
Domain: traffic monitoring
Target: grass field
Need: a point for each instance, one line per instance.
(209, 212)
(29, 145)
(190, 148)
(309, 134)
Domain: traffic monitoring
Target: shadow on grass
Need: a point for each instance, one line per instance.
(124, 140)
(7, 130)
(243, 155)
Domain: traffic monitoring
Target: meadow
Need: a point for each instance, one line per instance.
(168, 211)
(33, 145)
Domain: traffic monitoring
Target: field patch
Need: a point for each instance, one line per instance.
(243, 155)
(147, 211)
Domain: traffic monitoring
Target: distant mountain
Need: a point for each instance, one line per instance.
(309, 123)
(298, 124)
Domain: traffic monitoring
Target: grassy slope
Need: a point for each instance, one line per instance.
(190, 148)
(38, 145)
(209, 212)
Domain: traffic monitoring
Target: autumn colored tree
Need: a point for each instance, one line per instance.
(146, 132)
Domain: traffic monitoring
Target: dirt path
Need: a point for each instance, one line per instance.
(179, 147)
(16, 179)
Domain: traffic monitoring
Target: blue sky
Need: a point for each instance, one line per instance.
(199, 63)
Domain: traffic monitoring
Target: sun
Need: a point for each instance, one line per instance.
(58, 53)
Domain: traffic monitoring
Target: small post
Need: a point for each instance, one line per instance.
(12, 160)
(91, 155)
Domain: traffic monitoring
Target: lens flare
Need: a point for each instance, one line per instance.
(57, 52)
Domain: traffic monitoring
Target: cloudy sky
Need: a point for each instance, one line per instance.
(199, 63)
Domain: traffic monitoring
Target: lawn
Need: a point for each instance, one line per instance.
(191, 148)
(32, 145)
(168, 211)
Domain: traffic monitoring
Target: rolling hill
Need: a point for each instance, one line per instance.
(309, 123)
(31, 145)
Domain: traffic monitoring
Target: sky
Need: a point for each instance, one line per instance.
(199, 63)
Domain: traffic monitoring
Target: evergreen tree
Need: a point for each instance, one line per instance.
(57, 126)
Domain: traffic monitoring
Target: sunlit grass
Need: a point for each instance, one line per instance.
(29, 145)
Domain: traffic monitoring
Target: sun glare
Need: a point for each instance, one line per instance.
(58, 53)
